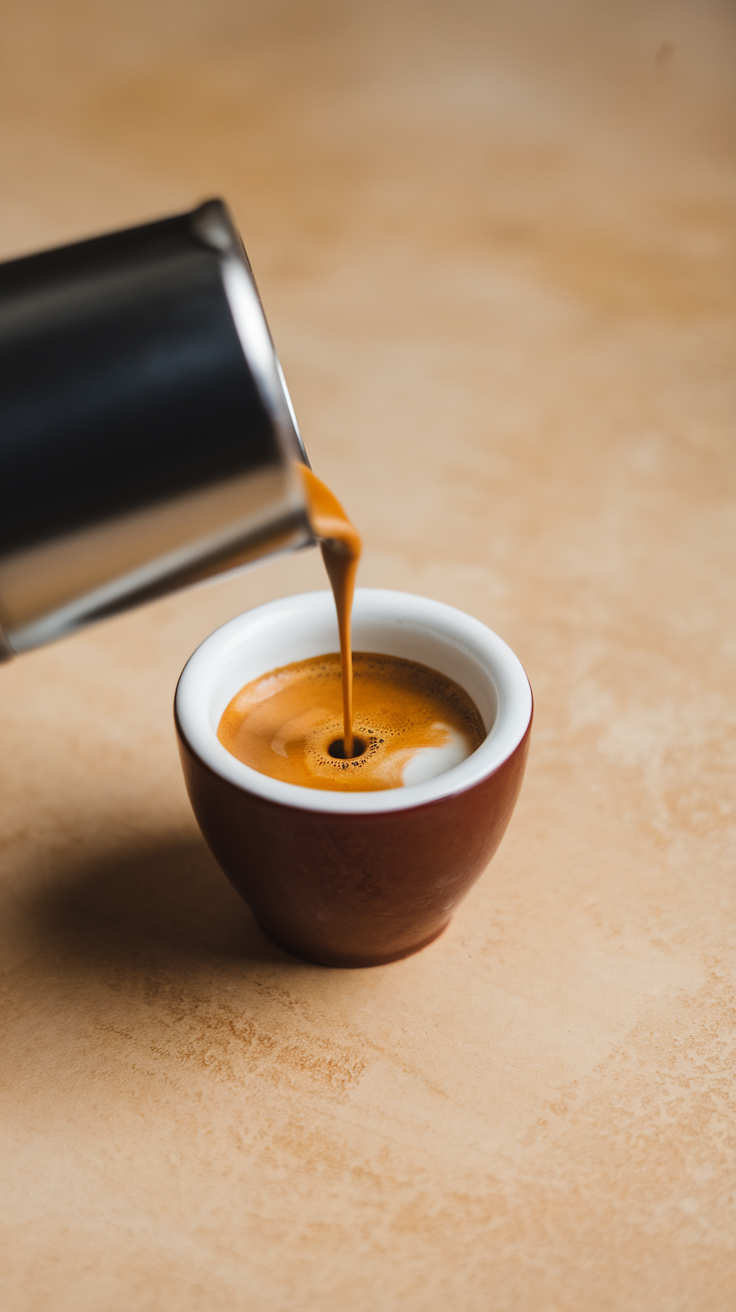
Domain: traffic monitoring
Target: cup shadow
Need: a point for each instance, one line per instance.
(163, 903)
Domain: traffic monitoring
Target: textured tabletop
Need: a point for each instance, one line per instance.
(494, 242)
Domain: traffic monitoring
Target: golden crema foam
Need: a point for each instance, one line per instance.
(410, 723)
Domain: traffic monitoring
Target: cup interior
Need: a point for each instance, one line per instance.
(393, 623)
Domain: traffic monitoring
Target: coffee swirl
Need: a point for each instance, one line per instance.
(410, 723)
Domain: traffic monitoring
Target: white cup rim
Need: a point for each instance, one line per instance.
(295, 628)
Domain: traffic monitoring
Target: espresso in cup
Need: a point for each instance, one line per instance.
(354, 877)
(410, 723)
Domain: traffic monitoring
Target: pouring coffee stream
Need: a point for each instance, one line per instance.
(341, 546)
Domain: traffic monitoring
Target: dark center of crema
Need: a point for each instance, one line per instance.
(337, 749)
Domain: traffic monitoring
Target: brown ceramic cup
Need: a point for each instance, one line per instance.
(354, 879)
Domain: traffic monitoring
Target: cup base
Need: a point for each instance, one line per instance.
(350, 960)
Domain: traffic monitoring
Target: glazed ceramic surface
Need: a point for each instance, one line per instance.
(354, 879)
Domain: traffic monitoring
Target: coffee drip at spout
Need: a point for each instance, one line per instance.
(341, 546)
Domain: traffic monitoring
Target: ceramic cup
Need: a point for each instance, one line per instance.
(354, 879)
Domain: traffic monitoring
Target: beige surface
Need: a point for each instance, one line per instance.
(498, 237)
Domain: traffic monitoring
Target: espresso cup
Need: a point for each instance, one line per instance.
(346, 878)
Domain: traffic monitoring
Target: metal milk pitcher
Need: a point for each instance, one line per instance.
(147, 438)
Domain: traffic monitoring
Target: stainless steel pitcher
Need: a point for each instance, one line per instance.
(147, 438)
